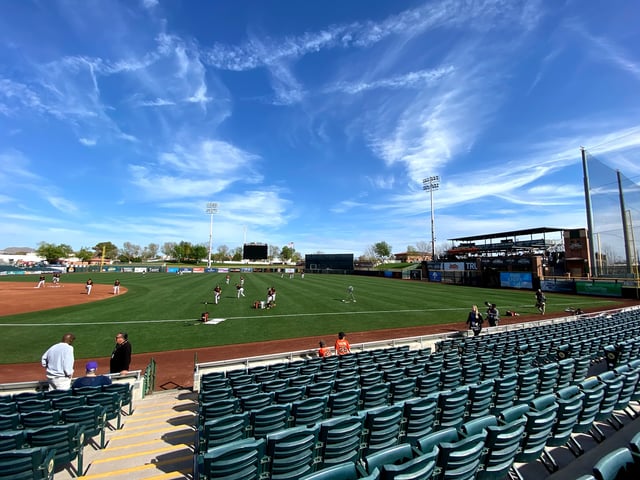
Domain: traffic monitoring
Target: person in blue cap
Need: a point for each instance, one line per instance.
(91, 378)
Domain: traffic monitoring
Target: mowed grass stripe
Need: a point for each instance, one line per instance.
(160, 311)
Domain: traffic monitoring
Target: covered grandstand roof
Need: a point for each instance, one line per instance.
(512, 233)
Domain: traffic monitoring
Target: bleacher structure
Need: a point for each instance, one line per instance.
(448, 406)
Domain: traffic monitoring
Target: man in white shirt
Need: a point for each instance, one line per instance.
(58, 361)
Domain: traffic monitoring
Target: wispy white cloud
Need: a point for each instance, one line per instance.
(606, 50)
(16, 169)
(486, 15)
(419, 79)
(158, 102)
(88, 142)
(195, 167)
(150, 4)
(62, 204)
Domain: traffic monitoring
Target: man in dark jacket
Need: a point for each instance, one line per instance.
(121, 355)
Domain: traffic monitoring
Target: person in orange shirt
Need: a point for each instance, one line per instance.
(324, 351)
(342, 345)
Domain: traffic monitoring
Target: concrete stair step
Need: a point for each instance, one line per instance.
(155, 442)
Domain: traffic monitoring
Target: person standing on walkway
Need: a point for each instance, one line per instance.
(121, 355)
(474, 320)
(541, 302)
(58, 361)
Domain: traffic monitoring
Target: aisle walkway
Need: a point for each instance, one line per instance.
(155, 442)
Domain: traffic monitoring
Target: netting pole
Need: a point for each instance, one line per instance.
(593, 267)
(625, 225)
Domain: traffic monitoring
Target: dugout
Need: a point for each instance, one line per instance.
(329, 263)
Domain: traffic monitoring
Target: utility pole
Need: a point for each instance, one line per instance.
(212, 208)
(430, 184)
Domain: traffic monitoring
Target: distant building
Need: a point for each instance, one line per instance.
(412, 257)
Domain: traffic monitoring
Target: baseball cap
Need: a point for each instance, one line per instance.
(92, 365)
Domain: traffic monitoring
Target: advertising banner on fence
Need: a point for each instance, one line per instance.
(606, 289)
(516, 279)
(558, 285)
(435, 276)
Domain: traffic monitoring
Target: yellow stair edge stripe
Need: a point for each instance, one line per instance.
(171, 402)
(171, 475)
(145, 432)
(144, 453)
(159, 415)
(150, 442)
(141, 468)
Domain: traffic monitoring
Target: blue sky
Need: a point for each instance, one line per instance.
(308, 122)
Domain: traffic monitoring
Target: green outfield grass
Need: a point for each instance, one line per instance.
(161, 311)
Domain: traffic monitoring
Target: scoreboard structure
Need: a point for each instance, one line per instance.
(255, 251)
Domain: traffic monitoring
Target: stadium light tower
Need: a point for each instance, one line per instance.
(212, 208)
(430, 184)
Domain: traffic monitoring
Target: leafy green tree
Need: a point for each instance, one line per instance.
(85, 254)
(110, 250)
(236, 255)
(198, 253)
(53, 253)
(182, 251)
(287, 253)
(382, 250)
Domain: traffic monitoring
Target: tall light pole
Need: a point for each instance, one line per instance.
(430, 184)
(212, 208)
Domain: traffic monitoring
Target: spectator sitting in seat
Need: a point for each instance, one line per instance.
(91, 378)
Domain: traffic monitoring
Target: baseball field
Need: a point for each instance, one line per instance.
(161, 311)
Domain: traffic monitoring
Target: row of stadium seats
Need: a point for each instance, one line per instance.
(582, 331)
(377, 388)
(37, 453)
(44, 432)
(425, 437)
(614, 390)
(39, 409)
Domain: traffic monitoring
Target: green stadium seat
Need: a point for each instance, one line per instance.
(92, 417)
(340, 439)
(291, 452)
(27, 464)
(616, 465)
(239, 460)
(67, 440)
(223, 430)
(382, 428)
(39, 418)
(12, 440)
(309, 411)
